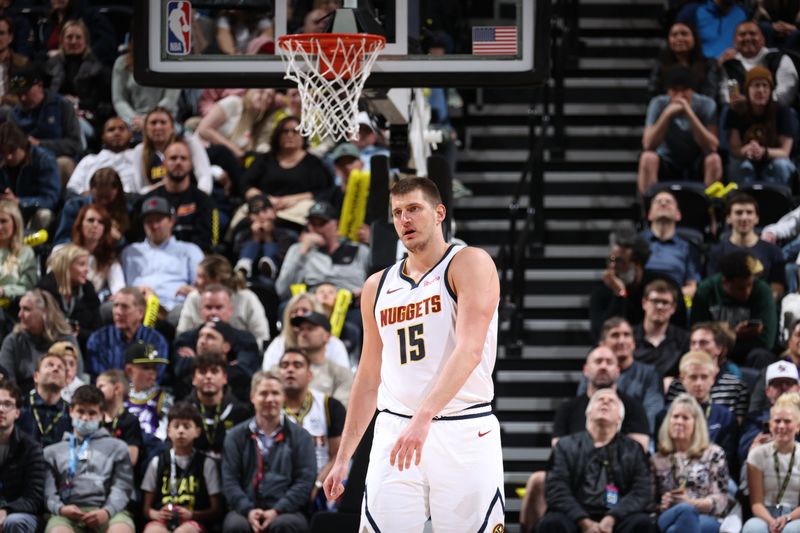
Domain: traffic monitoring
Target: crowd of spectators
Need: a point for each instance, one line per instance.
(168, 358)
(686, 418)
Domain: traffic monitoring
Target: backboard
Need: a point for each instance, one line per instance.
(430, 43)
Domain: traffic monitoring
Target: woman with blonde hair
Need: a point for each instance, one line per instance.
(77, 74)
(41, 323)
(248, 311)
(773, 472)
(691, 475)
(302, 304)
(19, 270)
(68, 283)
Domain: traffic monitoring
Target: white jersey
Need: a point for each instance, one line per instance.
(417, 325)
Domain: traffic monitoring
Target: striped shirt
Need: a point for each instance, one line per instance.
(727, 390)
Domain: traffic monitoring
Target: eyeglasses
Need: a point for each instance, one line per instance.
(7, 406)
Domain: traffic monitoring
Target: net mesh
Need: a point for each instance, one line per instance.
(330, 71)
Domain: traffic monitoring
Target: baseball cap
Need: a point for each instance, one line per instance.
(322, 210)
(227, 331)
(63, 348)
(24, 78)
(142, 353)
(157, 205)
(318, 319)
(782, 369)
(345, 150)
(258, 203)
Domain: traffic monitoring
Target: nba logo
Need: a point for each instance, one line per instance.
(179, 27)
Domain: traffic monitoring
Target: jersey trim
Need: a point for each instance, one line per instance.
(450, 418)
(498, 497)
(447, 286)
(380, 286)
(410, 281)
(368, 514)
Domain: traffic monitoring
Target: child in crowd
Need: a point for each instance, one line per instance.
(71, 356)
(147, 400)
(89, 477)
(181, 485)
(116, 419)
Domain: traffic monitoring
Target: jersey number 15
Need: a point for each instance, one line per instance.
(412, 344)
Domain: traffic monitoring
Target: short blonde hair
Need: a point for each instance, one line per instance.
(700, 440)
(788, 400)
(697, 357)
(606, 392)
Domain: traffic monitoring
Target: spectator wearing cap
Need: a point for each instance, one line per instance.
(368, 141)
(44, 412)
(346, 159)
(758, 396)
(322, 255)
(735, 296)
(716, 22)
(760, 134)
(107, 346)
(288, 174)
(194, 210)
(215, 334)
(47, 119)
(680, 135)
(748, 52)
(259, 243)
(162, 263)
(146, 400)
(29, 177)
(781, 378)
(313, 331)
(22, 472)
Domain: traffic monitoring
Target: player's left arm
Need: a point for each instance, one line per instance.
(473, 277)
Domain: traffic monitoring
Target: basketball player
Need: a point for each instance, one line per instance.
(430, 328)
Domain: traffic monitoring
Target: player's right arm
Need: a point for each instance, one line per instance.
(365, 389)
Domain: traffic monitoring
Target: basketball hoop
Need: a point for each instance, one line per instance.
(330, 70)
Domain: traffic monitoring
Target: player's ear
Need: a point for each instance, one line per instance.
(441, 213)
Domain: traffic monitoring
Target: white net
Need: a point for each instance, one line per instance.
(330, 71)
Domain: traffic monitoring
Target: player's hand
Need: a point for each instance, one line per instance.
(333, 485)
(409, 444)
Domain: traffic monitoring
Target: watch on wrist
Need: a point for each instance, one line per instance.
(318, 484)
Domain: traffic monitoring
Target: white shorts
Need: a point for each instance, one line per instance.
(458, 484)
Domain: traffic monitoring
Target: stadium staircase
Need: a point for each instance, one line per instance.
(589, 184)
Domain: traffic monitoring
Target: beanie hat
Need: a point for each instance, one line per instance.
(758, 73)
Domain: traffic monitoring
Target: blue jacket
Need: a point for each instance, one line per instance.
(38, 184)
(716, 29)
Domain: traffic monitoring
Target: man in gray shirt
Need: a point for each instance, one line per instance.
(680, 135)
(322, 255)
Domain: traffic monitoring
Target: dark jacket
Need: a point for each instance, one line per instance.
(86, 311)
(91, 83)
(37, 183)
(22, 475)
(630, 468)
(53, 122)
(101, 32)
(244, 360)
(288, 481)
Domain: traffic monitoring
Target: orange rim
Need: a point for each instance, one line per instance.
(329, 41)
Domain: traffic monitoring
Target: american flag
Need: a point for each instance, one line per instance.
(494, 40)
